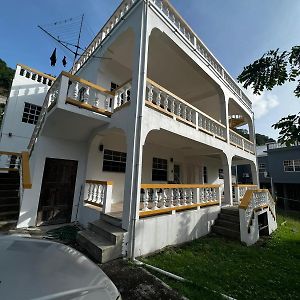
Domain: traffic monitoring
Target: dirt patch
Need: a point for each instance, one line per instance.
(134, 282)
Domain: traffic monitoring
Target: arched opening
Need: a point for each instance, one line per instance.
(172, 69)
(106, 166)
(239, 120)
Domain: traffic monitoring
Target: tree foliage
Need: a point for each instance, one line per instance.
(6, 77)
(275, 68)
(260, 139)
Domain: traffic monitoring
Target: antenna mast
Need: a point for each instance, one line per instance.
(78, 41)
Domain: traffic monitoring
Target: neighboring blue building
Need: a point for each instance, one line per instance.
(279, 171)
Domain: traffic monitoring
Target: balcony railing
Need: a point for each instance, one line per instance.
(99, 194)
(169, 198)
(239, 191)
(255, 200)
(240, 142)
(169, 104)
(181, 27)
(117, 16)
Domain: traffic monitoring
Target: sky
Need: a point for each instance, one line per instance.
(236, 31)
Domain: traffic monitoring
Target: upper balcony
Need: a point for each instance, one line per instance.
(76, 106)
(172, 18)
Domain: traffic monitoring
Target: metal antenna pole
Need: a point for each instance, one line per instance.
(78, 41)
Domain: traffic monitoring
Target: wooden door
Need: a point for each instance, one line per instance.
(57, 192)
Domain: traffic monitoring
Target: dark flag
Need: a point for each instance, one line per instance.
(64, 61)
(53, 58)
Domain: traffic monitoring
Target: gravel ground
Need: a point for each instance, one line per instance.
(135, 282)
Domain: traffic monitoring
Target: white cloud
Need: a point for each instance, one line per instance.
(262, 103)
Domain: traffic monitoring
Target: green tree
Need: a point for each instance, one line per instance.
(260, 139)
(6, 77)
(275, 68)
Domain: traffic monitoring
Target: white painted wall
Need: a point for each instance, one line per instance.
(155, 233)
(114, 142)
(23, 90)
(53, 148)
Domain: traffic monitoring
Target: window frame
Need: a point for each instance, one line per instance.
(30, 115)
(114, 161)
(159, 169)
(291, 165)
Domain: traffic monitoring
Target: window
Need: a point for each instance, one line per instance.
(205, 175)
(159, 169)
(31, 113)
(291, 165)
(114, 161)
(221, 174)
(261, 168)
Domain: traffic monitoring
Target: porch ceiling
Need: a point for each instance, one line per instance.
(172, 68)
(67, 125)
(188, 147)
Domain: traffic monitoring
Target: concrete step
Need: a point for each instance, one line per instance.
(9, 200)
(9, 215)
(228, 224)
(229, 217)
(99, 247)
(109, 218)
(112, 233)
(226, 232)
(9, 185)
(9, 193)
(9, 207)
(232, 210)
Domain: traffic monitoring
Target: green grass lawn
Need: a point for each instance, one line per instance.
(267, 270)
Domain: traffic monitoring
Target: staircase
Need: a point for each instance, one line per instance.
(228, 223)
(9, 197)
(103, 239)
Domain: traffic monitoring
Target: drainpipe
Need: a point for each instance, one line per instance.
(138, 138)
(176, 277)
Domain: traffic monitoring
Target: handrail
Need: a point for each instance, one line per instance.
(99, 182)
(88, 83)
(244, 185)
(183, 101)
(36, 72)
(26, 179)
(122, 85)
(177, 186)
(10, 153)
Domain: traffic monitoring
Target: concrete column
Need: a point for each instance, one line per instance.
(226, 164)
(134, 131)
(225, 116)
(254, 173)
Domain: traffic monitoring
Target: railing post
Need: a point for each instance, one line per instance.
(107, 198)
(237, 194)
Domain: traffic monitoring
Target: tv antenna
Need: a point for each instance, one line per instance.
(68, 34)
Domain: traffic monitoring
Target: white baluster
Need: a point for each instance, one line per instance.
(86, 95)
(76, 91)
(106, 103)
(184, 112)
(191, 196)
(166, 102)
(150, 93)
(171, 198)
(17, 163)
(89, 196)
(184, 196)
(158, 99)
(155, 198)
(173, 106)
(178, 109)
(177, 197)
(163, 198)
(145, 200)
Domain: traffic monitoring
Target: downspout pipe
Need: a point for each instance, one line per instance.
(176, 277)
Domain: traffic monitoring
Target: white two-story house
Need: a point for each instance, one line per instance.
(142, 140)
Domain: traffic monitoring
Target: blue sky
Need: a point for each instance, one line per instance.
(236, 31)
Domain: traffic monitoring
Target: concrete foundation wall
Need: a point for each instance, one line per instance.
(155, 233)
